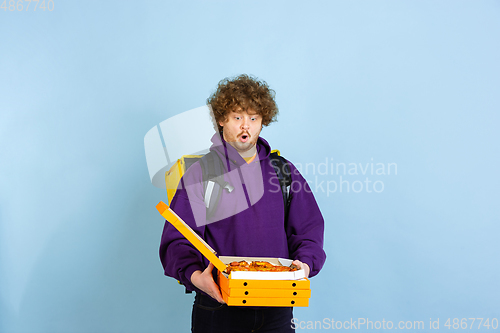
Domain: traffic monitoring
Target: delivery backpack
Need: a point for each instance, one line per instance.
(213, 178)
(214, 183)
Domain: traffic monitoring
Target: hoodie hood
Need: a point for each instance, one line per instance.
(231, 156)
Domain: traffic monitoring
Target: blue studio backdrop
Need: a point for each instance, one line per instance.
(390, 109)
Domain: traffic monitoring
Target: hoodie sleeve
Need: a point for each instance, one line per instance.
(305, 225)
(180, 259)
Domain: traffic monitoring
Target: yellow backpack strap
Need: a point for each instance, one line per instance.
(174, 175)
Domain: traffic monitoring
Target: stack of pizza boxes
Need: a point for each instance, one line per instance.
(248, 288)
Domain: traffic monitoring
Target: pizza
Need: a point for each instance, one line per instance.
(257, 266)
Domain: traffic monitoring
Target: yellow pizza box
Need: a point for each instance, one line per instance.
(227, 283)
(250, 281)
(220, 263)
(190, 235)
(258, 287)
(265, 293)
(264, 301)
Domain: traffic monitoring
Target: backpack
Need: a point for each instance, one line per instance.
(214, 183)
(213, 178)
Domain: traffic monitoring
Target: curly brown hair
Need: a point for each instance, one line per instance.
(241, 93)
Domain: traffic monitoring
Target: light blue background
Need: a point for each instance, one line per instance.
(414, 83)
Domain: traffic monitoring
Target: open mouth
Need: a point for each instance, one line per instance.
(244, 137)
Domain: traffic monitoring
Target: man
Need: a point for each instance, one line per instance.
(249, 220)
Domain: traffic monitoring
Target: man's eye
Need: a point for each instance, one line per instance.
(237, 118)
(253, 119)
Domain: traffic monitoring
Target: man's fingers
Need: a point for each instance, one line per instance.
(209, 269)
(211, 288)
(218, 295)
(303, 266)
(215, 292)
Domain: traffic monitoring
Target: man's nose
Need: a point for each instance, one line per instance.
(245, 124)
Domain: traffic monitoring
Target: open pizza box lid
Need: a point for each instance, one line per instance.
(221, 262)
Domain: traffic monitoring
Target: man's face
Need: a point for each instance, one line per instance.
(241, 130)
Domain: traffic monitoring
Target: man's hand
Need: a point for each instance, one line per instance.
(205, 282)
(302, 265)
